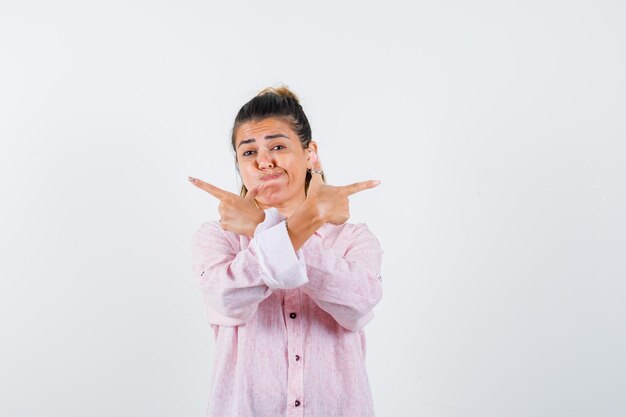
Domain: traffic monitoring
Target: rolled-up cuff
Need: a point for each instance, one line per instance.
(281, 267)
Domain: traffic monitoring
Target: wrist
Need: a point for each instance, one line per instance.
(260, 218)
(255, 223)
(310, 210)
(306, 219)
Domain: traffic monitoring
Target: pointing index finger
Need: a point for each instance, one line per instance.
(209, 188)
(360, 186)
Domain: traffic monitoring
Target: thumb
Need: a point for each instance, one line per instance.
(251, 194)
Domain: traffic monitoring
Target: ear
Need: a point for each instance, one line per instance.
(312, 147)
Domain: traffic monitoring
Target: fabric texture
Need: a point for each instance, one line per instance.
(288, 326)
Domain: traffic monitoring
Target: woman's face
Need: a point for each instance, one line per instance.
(269, 152)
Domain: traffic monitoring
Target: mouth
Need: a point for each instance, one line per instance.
(271, 177)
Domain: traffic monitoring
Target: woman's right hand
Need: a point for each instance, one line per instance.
(237, 214)
(331, 202)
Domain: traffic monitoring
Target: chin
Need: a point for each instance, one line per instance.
(273, 199)
(271, 202)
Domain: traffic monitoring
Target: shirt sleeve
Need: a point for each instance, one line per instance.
(229, 279)
(281, 266)
(233, 281)
(347, 286)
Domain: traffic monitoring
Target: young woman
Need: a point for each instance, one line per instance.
(288, 284)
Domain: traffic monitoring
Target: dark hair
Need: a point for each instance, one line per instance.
(279, 103)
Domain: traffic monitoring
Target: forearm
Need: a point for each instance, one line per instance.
(345, 289)
(234, 288)
(302, 224)
(227, 275)
(347, 286)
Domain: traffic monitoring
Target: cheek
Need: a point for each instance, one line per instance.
(246, 175)
(295, 164)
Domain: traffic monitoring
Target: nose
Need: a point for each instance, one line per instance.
(264, 160)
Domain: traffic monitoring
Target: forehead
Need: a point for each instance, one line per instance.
(260, 128)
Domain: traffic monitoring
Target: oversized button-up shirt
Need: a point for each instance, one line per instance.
(288, 325)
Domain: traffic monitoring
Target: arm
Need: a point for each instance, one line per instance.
(233, 281)
(304, 221)
(229, 280)
(349, 286)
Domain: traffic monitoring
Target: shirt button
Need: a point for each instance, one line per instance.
(297, 403)
(297, 357)
(292, 315)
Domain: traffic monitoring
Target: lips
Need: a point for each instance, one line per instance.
(271, 176)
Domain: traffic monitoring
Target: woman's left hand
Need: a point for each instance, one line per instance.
(331, 202)
(237, 214)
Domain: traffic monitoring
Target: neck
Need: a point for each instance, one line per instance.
(285, 208)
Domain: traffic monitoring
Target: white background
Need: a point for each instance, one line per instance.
(497, 129)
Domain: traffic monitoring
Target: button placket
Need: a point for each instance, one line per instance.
(295, 372)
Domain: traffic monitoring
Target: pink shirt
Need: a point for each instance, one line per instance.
(288, 326)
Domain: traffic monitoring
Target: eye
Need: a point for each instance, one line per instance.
(248, 153)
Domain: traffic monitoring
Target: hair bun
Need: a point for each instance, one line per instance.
(282, 91)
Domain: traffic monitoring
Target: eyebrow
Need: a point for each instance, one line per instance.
(268, 137)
